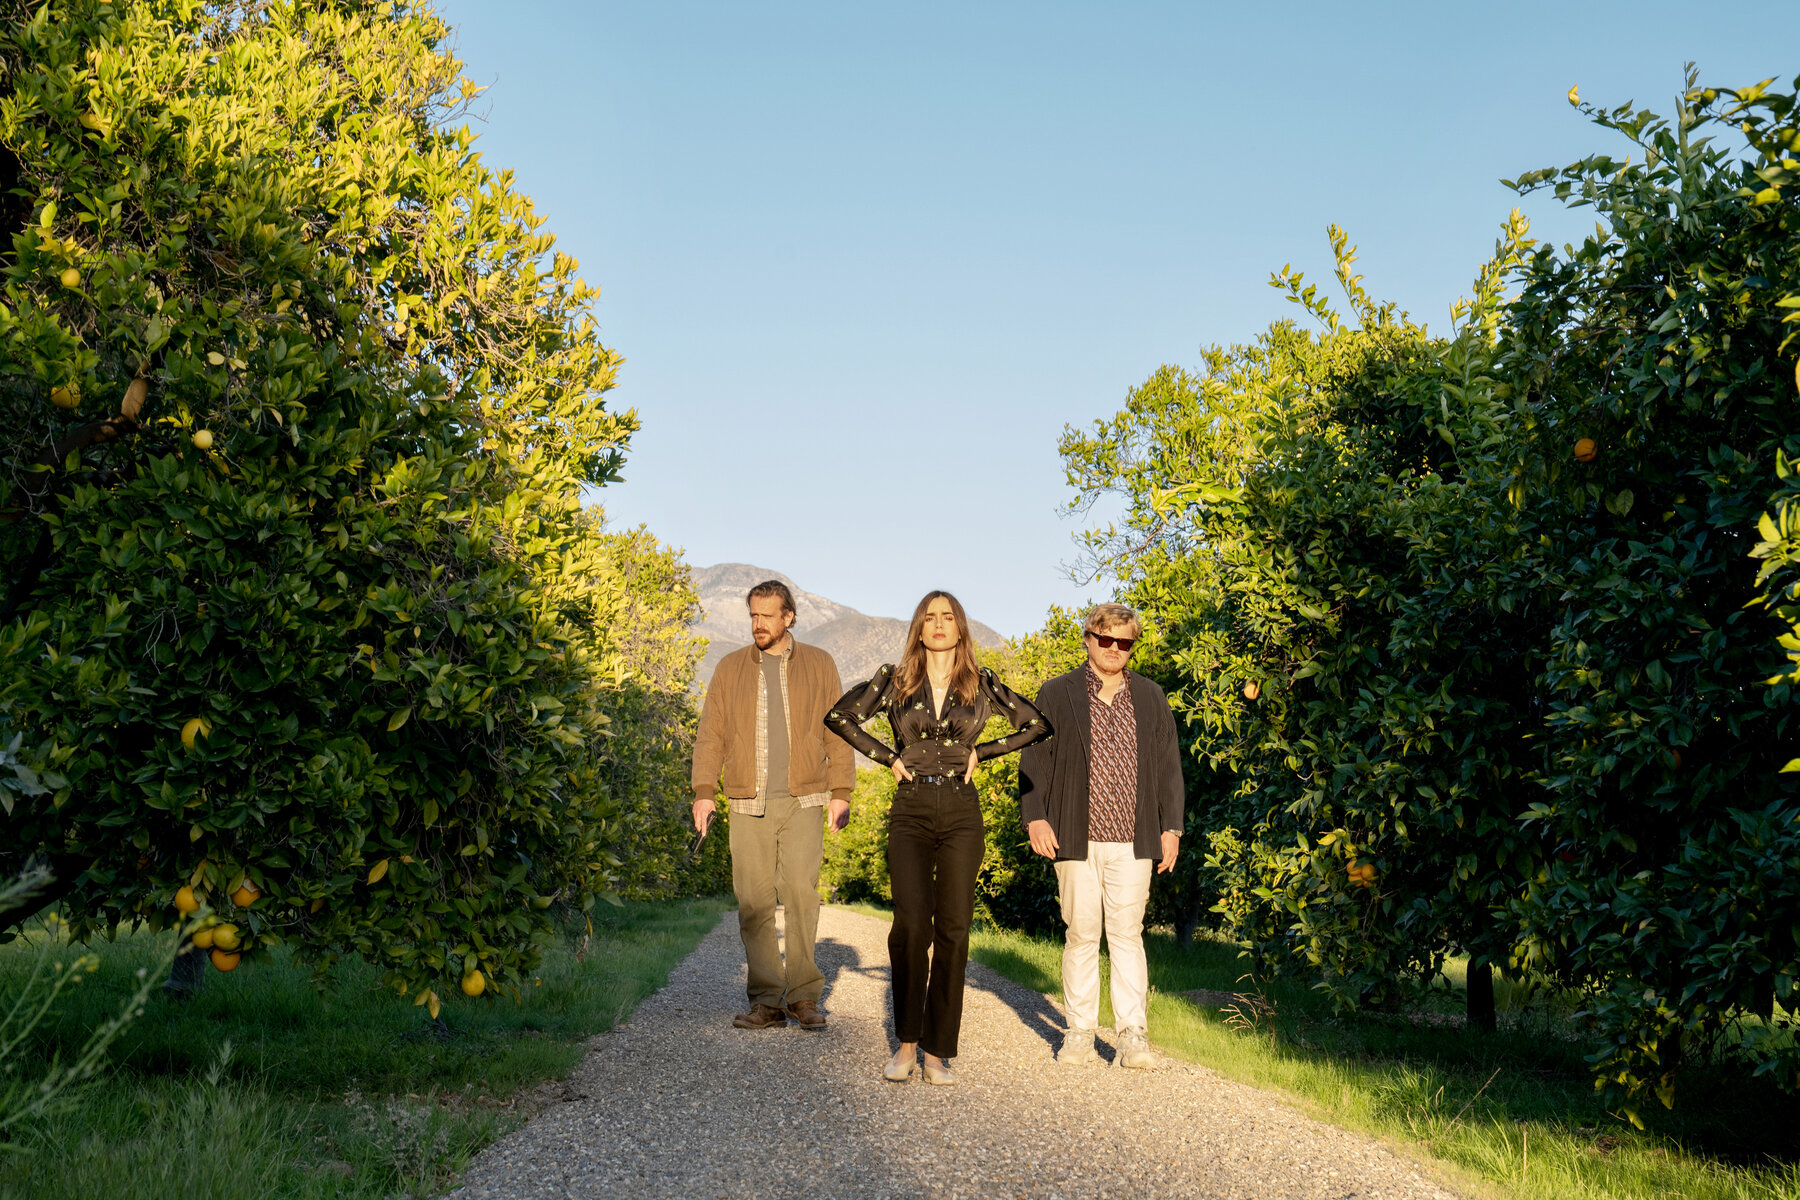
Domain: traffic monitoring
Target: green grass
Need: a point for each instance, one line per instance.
(262, 1087)
(1511, 1113)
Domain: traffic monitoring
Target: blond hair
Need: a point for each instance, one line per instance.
(1103, 617)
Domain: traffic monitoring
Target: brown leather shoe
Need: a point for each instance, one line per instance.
(806, 1015)
(760, 1016)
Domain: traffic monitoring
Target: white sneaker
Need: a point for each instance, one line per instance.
(1134, 1050)
(1077, 1049)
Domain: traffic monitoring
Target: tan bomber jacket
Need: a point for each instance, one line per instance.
(818, 760)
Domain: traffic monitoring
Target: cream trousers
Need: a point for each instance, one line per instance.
(1107, 891)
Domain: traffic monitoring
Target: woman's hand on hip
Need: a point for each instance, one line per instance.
(901, 774)
(1043, 838)
(969, 775)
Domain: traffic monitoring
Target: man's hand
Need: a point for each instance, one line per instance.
(837, 814)
(1043, 838)
(969, 775)
(1171, 844)
(901, 774)
(703, 815)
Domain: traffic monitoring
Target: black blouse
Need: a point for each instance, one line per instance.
(930, 745)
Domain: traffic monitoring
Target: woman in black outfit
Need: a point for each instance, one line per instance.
(937, 701)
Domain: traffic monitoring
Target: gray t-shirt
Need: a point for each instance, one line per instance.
(776, 788)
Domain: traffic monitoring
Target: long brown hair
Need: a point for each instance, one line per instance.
(965, 675)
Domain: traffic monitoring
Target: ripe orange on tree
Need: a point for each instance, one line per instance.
(224, 961)
(428, 762)
(185, 902)
(247, 893)
(1586, 450)
(473, 984)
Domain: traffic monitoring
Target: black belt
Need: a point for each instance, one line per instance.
(940, 779)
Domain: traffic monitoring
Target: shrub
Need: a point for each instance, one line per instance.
(301, 403)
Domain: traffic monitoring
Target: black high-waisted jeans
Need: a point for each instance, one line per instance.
(934, 851)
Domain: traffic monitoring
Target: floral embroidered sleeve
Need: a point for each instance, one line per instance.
(863, 703)
(1029, 725)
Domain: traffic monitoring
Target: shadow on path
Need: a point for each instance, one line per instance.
(1036, 1011)
(675, 1103)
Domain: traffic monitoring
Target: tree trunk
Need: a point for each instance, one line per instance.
(1480, 996)
(1185, 917)
(1762, 998)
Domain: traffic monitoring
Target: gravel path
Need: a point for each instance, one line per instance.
(677, 1103)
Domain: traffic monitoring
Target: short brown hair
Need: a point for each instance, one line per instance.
(1102, 617)
(777, 589)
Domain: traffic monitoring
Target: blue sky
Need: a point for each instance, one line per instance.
(866, 261)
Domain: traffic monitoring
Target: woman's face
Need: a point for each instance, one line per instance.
(939, 631)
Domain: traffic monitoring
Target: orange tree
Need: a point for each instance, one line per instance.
(1473, 622)
(297, 402)
(1664, 341)
(645, 599)
(1290, 513)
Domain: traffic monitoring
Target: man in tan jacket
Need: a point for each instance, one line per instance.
(763, 730)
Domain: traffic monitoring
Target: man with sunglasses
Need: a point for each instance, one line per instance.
(1103, 798)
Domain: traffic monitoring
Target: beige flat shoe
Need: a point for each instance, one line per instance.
(898, 1070)
(939, 1076)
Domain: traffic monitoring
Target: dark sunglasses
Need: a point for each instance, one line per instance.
(1107, 643)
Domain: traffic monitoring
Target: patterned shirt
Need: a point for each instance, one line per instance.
(1112, 764)
(758, 805)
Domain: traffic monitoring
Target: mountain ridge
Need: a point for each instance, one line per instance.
(859, 642)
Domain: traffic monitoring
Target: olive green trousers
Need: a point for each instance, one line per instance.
(775, 860)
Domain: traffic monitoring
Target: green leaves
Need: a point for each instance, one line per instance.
(1287, 601)
(1662, 337)
(1433, 631)
(277, 232)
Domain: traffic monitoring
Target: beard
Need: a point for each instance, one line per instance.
(766, 638)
